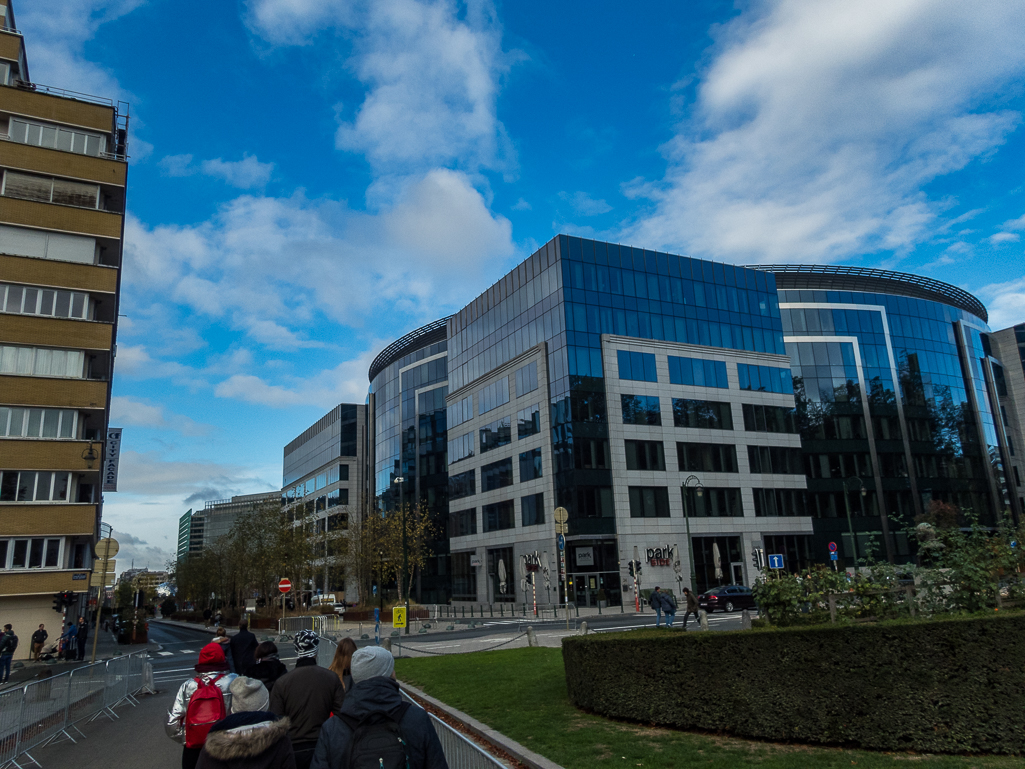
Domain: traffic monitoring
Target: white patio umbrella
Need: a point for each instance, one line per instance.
(501, 575)
(717, 560)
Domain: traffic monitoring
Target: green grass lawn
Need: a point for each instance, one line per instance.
(522, 693)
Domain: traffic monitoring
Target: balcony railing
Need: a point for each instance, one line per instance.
(63, 93)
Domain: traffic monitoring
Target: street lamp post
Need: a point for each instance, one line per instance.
(405, 549)
(380, 580)
(686, 516)
(850, 523)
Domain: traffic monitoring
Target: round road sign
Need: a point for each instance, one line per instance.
(107, 548)
(561, 515)
(832, 547)
(285, 585)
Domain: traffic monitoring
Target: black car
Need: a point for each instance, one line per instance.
(726, 597)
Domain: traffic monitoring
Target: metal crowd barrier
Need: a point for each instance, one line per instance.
(321, 624)
(48, 709)
(460, 752)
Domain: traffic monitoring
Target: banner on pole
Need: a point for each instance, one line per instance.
(111, 457)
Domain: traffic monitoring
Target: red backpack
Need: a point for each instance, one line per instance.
(206, 707)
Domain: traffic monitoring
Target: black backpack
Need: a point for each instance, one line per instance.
(377, 741)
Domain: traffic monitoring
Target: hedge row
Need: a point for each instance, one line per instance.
(949, 686)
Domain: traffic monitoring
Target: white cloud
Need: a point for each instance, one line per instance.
(56, 33)
(817, 123)
(137, 552)
(270, 265)
(150, 474)
(125, 411)
(346, 383)
(245, 174)
(1015, 224)
(522, 205)
(585, 205)
(1004, 237)
(177, 165)
(431, 71)
(1005, 302)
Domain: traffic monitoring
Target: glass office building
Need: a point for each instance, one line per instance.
(613, 381)
(896, 389)
(408, 439)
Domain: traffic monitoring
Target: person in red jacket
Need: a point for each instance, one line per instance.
(212, 666)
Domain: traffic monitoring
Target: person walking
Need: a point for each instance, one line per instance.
(268, 668)
(374, 707)
(38, 642)
(341, 664)
(83, 636)
(8, 645)
(692, 606)
(243, 644)
(211, 668)
(251, 737)
(660, 604)
(207, 614)
(307, 696)
(669, 607)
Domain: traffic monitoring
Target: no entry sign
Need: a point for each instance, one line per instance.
(285, 585)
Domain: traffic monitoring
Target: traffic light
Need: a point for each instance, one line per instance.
(631, 568)
(637, 568)
(757, 558)
(58, 603)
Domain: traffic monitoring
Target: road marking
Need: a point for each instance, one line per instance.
(165, 654)
(186, 651)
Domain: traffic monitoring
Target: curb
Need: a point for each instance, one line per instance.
(522, 754)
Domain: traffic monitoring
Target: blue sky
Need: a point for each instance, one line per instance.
(311, 179)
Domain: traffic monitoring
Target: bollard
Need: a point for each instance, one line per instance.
(501, 610)
(577, 608)
(531, 638)
(471, 611)
(703, 619)
(745, 620)
(491, 606)
(464, 612)
(386, 643)
(583, 627)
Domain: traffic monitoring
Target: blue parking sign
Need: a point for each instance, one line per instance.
(832, 557)
(775, 562)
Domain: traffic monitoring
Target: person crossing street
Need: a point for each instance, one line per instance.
(692, 606)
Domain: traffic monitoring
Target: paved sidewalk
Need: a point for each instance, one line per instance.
(107, 647)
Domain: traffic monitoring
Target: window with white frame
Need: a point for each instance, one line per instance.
(59, 246)
(30, 300)
(57, 137)
(34, 486)
(30, 553)
(42, 361)
(21, 422)
(47, 189)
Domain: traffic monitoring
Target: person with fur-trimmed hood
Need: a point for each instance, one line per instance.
(251, 737)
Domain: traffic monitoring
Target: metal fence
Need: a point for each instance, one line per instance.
(320, 624)
(49, 709)
(460, 752)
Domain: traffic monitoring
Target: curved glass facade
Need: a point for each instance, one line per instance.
(408, 439)
(896, 392)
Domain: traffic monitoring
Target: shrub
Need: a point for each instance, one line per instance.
(951, 685)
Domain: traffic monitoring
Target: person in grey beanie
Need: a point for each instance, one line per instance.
(307, 696)
(375, 700)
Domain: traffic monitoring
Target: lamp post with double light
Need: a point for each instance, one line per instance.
(692, 482)
(850, 522)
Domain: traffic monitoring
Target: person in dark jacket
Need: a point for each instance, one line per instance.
(307, 696)
(376, 692)
(8, 645)
(243, 644)
(668, 606)
(38, 641)
(268, 668)
(83, 637)
(692, 606)
(659, 604)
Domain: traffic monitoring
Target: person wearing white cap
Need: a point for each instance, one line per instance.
(375, 726)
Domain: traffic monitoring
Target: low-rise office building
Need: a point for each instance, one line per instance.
(1009, 347)
(324, 470)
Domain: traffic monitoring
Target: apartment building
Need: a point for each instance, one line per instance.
(62, 200)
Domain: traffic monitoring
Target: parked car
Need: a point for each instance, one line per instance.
(726, 597)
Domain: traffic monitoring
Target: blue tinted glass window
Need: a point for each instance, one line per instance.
(766, 378)
(641, 410)
(639, 366)
(698, 372)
